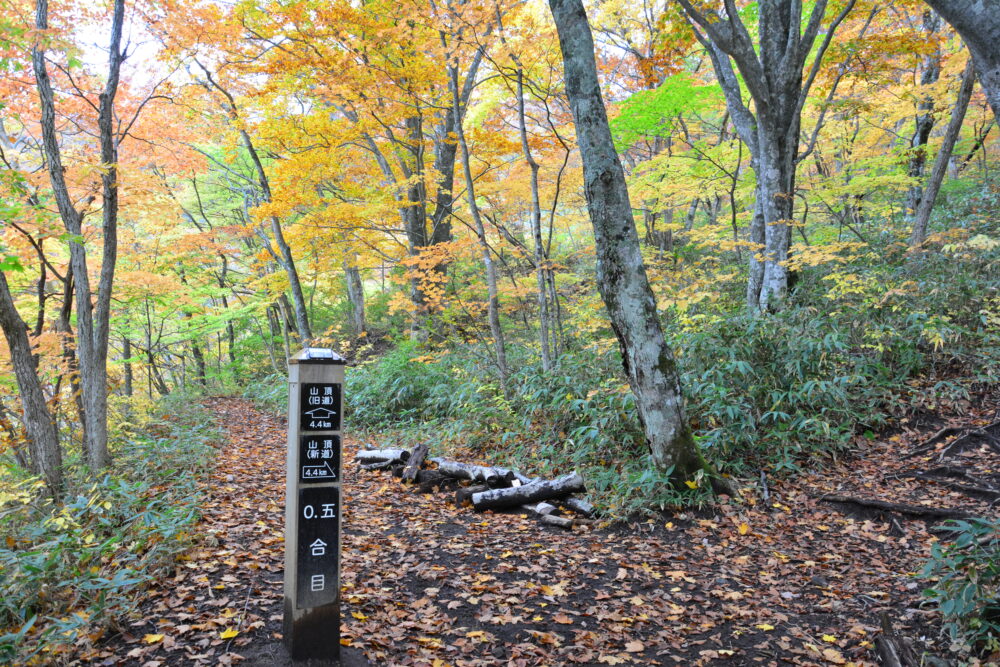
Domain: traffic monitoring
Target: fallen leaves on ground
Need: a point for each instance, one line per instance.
(425, 583)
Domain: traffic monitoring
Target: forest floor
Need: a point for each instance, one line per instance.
(793, 580)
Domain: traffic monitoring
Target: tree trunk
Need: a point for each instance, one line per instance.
(536, 230)
(925, 117)
(978, 23)
(93, 319)
(287, 259)
(621, 275)
(199, 364)
(43, 439)
(493, 305)
(944, 154)
(775, 190)
(773, 72)
(127, 354)
(356, 297)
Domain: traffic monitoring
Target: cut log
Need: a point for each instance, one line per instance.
(431, 481)
(464, 494)
(579, 505)
(912, 510)
(469, 471)
(379, 455)
(524, 479)
(529, 493)
(377, 465)
(553, 520)
(414, 462)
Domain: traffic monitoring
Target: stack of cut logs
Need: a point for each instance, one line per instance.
(485, 487)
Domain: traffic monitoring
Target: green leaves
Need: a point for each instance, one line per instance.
(967, 575)
(653, 113)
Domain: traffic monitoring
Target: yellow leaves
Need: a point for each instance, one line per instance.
(229, 633)
(358, 615)
(830, 639)
(766, 627)
(743, 528)
(558, 590)
(153, 638)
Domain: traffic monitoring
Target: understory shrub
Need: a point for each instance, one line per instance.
(69, 570)
(874, 334)
(965, 577)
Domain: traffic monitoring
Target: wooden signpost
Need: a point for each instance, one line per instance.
(313, 505)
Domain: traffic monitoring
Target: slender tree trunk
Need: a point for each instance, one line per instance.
(536, 230)
(127, 354)
(93, 319)
(923, 214)
(493, 305)
(356, 297)
(925, 117)
(199, 364)
(299, 307)
(43, 439)
(621, 275)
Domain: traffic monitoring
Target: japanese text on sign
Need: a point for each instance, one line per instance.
(319, 458)
(320, 407)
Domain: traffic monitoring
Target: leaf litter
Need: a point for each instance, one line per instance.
(795, 580)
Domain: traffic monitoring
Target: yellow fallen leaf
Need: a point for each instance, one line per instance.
(744, 528)
(229, 633)
(691, 485)
(475, 634)
(726, 651)
(345, 641)
(834, 656)
(766, 627)
(830, 639)
(152, 639)
(358, 615)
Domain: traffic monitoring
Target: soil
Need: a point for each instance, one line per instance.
(792, 579)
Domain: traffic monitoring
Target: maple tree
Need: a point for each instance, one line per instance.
(676, 247)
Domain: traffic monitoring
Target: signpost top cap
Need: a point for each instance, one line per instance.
(317, 355)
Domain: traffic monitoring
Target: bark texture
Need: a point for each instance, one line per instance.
(772, 70)
(493, 303)
(978, 23)
(923, 213)
(356, 296)
(529, 493)
(93, 316)
(43, 439)
(621, 275)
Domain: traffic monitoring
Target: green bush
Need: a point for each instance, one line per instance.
(68, 570)
(269, 393)
(966, 576)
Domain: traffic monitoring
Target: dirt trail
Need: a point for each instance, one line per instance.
(425, 583)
